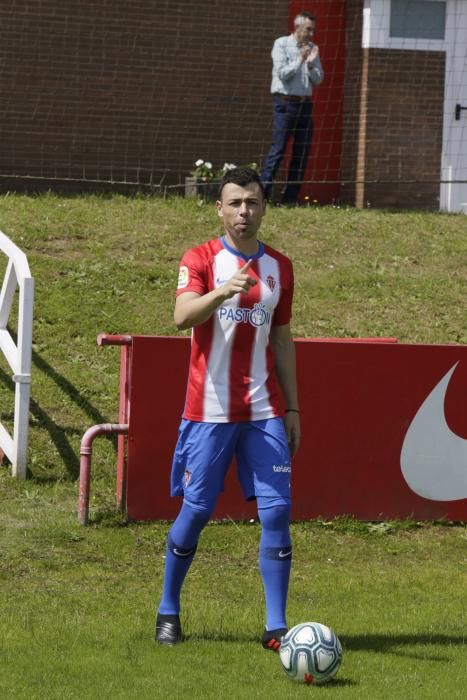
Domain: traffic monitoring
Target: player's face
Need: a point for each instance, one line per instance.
(241, 210)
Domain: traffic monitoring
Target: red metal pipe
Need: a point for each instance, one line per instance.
(349, 340)
(124, 418)
(105, 339)
(85, 463)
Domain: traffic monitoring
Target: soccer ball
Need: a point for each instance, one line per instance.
(310, 653)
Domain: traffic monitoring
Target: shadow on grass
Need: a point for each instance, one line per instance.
(60, 434)
(379, 643)
(393, 644)
(360, 642)
(225, 636)
(68, 388)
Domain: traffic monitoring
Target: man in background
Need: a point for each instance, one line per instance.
(296, 69)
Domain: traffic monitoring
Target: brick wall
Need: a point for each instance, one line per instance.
(404, 127)
(352, 142)
(137, 90)
(128, 90)
(393, 121)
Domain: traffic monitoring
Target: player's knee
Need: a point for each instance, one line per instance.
(274, 516)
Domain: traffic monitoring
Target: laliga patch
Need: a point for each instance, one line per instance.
(271, 282)
(182, 277)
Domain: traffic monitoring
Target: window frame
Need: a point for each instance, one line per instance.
(376, 27)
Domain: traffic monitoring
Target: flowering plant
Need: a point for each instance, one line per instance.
(204, 170)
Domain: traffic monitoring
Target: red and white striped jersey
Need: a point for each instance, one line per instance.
(231, 375)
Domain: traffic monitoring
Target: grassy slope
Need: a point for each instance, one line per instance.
(111, 265)
(75, 600)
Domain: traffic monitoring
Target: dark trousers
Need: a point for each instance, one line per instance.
(290, 120)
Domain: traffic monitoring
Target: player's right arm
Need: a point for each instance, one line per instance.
(192, 309)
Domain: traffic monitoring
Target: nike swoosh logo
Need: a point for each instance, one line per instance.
(285, 554)
(182, 553)
(433, 458)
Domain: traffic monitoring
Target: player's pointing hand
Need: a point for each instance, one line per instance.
(241, 282)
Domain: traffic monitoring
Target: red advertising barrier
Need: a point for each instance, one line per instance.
(384, 431)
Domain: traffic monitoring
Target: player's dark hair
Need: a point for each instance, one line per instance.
(241, 176)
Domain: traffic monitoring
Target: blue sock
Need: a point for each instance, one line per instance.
(275, 559)
(181, 548)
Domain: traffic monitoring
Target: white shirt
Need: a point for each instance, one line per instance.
(291, 75)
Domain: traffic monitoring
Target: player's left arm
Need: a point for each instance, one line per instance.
(284, 354)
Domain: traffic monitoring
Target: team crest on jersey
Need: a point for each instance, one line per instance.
(259, 315)
(271, 282)
(183, 277)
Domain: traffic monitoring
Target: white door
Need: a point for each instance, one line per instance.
(453, 192)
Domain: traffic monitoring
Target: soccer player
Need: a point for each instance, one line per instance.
(235, 292)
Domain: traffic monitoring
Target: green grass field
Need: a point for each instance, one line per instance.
(77, 604)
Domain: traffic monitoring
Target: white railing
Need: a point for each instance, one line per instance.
(17, 355)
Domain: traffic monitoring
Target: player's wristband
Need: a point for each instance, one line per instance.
(292, 410)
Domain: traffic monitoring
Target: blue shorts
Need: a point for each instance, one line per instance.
(204, 452)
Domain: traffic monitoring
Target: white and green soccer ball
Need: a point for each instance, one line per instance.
(310, 653)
